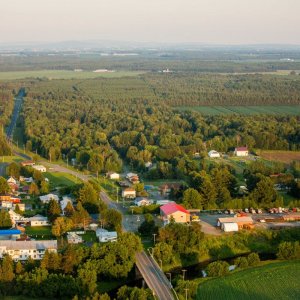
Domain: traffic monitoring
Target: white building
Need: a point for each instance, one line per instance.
(241, 151)
(74, 238)
(229, 227)
(47, 198)
(113, 175)
(213, 153)
(11, 180)
(64, 202)
(40, 168)
(141, 201)
(129, 193)
(22, 250)
(16, 218)
(106, 236)
(38, 220)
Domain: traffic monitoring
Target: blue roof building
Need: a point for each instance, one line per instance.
(4, 232)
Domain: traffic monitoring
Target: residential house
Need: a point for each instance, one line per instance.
(47, 198)
(166, 189)
(38, 220)
(64, 202)
(16, 218)
(22, 206)
(74, 238)
(11, 180)
(133, 178)
(10, 198)
(106, 236)
(142, 201)
(9, 234)
(23, 250)
(175, 212)
(27, 163)
(241, 151)
(113, 175)
(129, 193)
(40, 168)
(214, 154)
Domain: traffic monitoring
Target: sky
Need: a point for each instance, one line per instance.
(169, 21)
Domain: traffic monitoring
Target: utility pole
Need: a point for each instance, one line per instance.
(170, 274)
(183, 274)
(67, 162)
(186, 293)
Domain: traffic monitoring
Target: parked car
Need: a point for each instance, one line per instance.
(231, 212)
(252, 211)
(259, 211)
(246, 210)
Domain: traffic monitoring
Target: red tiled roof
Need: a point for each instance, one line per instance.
(172, 207)
(241, 149)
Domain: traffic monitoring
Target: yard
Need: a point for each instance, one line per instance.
(278, 280)
(60, 179)
(39, 232)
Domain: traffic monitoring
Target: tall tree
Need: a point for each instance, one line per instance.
(4, 187)
(53, 210)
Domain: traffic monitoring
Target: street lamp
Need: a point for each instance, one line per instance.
(183, 274)
(160, 264)
(151, 251)
(154, 234)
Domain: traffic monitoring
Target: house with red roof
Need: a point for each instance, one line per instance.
(175, 212)
(241, 151)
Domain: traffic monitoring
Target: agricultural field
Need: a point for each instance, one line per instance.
(244, 110)
(272, 281)
(64, 74)
(281, 156)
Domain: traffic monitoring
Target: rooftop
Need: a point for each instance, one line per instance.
(173, 207)
(19, 245)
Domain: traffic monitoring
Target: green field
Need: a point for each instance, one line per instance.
(60, 179)
(273, 281)
(64, 74)
(40, 232)
(244, 110)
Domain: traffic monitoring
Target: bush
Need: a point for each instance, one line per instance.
(241, 262)
(253, 259)
(217, 268)
(288, 250)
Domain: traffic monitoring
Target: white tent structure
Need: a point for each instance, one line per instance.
(229, 227)
(213, 153)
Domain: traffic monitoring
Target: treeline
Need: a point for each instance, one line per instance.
(76, 271)
(212, 60)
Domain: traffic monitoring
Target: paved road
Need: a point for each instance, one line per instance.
(14, 117)
(154, 277)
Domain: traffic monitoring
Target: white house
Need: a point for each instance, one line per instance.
(213, 153)
(11, 180)
(16, 218)
(74, 238)
(47, 198)
(141, 201)
(40, 168)
(112, 175)
(64, 202)
(38, 220)
(129, 193)
(241, 151)
(22, 250)
(148, 164)
(106, 236)
(129, 175)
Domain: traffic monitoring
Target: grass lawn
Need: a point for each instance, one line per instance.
(10, 159)
(64, 74)
(39, 232)
(278, 280)
(90, 236)
(59, 179)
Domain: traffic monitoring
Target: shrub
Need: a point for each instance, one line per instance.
(288, 250)
(241, 262)
(253, 259)
(218, 268)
